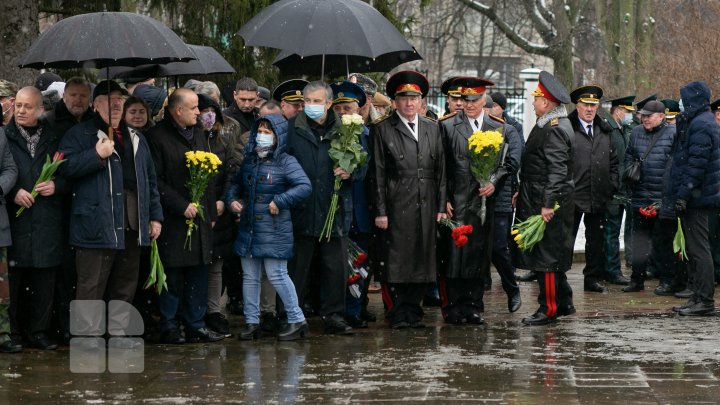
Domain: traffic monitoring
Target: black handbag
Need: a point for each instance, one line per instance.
(633, 172)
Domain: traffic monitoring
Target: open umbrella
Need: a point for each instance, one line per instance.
(324, 27)
(339, 65)
(209, 61)
(101, 40)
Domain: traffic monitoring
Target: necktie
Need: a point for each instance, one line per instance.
(412, 127)
(477, 126)
(589, 130)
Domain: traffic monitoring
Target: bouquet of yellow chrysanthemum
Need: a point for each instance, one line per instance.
(203, 166)
(530, 232)
(484, 147)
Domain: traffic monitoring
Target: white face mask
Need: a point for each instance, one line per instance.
(627, 118)
(263, 153)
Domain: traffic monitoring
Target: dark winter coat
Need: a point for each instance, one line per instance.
(8, 176)
(595, 165)
(311, 153)
(654, 169)
(225, 230)
(695, 169)
(61, 120)
(38, 238)
(473, 260)
(98, 214)
(361, 209)
(620, 140)
(509, 120)
(546, 178)
(410, 189)
(168, 148)
(277, 178)
(245, 120)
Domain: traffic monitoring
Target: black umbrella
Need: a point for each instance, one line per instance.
(324, 27)
(339, 65)
(208, 61)
(101, 40)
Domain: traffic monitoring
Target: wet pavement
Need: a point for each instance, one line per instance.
(620, 348)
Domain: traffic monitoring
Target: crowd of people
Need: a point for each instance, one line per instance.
(256, 233)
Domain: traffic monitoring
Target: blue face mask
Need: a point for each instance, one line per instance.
(264, 140)
(314, 111)
(627, 118)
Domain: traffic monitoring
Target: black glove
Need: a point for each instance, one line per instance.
(680, 207)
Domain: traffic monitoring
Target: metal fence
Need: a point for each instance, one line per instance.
(515, 100)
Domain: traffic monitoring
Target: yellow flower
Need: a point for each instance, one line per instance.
(518, 237)
(515, 232)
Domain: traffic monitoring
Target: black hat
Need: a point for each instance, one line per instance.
(652, 107)
(263, 93)
(106, 87)
(500, 99)
(590, 94)
(715, 105)
(207, 102)
(290, 90)
(472, 88)
(346, 92)
(46, 79)
(550, 88)
(449, 88)
(640, 104)
(154, 97)
(672, 107)
(624, 102)
(407, 83)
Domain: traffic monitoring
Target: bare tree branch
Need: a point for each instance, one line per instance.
(544, 12)
(541, 25)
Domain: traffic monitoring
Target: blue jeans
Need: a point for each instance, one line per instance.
(276, 271)
(189, 284)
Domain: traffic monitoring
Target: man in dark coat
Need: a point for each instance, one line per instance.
(499, 109)
(621, 111)
(410, 196)
(595, 173)
(185, 267)
(546, 179)
(243, 107)
(464, 279)
(38, 238)
(309, 137)
(8, 175)
(73, 109)
(115, 206)
(695, 175)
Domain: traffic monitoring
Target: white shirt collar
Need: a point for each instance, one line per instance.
(414, 121)
(479, 119)
(585, 124)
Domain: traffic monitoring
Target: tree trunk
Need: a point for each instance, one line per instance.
(17, 34)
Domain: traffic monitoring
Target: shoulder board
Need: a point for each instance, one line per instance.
(446, 116)
(554, 122)
(429, 118)
(381, 119)
(498, 119)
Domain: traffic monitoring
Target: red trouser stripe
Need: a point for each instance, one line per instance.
(550, 298)
(443, 293)
(386, 296)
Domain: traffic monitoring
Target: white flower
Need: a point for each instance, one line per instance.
(357, 119)
(346, 119)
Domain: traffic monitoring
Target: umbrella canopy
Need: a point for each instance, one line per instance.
(342, 65)
(98, 40)
(324, 27)
(208, 61)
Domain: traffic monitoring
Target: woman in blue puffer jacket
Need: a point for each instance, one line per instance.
(262, 192)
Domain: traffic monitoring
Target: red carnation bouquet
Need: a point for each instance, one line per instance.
(459, 232)
(650, 211)
(358, 271)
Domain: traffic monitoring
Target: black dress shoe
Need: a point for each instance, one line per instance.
(692, 301)
(368, 316)
(618, 279)
(475, 319)
(595, 286)
(202, 335)
(633, 287)
(665, 289)
(355, 321)
(538, 318)
(40, 341)
(294, 331)
(173, 337)
(217, 322)
(514, 302)
(527, 277)
(9, 346)
(698, 309)
(250, 332)
(336, 325)
(567, 310)
(686, 293)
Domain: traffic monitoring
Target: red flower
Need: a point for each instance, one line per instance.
(461, 241)
(353, 279)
